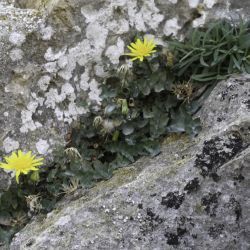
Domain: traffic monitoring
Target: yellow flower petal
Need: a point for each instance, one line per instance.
(21, 163)
(141, 49)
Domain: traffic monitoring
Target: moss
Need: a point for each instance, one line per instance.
(173, 137)
(199, 209)
(121, 176)
(31, 4)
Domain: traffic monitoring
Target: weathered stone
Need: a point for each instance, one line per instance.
(55, 54)
(4, 181)
(194, 195)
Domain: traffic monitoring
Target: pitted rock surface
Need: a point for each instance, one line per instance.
(194, 195)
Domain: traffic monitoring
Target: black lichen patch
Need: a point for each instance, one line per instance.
(172, 239)
(226, 93)
(181, 231)
(215, 230)
(173, 200)
(192, 185)
(234, 205)
(210, 203)
(239, 178)
(215, 177)
(150, 213)
(150, 222)
(140, 206)
(247, 103)
(239, 81)
(217, 152)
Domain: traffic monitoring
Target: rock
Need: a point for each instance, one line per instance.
(194, 195)
(5, 181)
(56, 54)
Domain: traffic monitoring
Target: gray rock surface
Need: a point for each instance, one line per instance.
(56, 54)
(194, 195)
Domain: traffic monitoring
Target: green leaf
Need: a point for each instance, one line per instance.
(244, 41)
(152, 147)
(147, 113)
(182, 121)
(5, 218)
(158, 123)
(204, 77)
(110, 108)
(48, 204)
(101, 170)
(236, 63)
(203, 62)
(127, 129)
(5, 236)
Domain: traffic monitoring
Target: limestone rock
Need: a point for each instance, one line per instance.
(194, 195)
(56, 54)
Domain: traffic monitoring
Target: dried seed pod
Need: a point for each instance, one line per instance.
(98, 121)
(73, 153)
(183, 91)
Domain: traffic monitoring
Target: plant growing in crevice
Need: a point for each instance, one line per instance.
(213, 53)
(140, 104)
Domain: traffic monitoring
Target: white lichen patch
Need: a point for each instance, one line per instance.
(52, 56)
(193, 3)
(51, 67)
(120, 26)
(62, 62)
(113, 52)
(147, 17)
(92, 15)
(84, 82)
(42, 146)
(32, 106)
(27, 122)
(95, 92)
(68, 91)
(54, 98)
(82, 53)
(97, 35)
(17, 38)
(173, 1)
(210, 3)
(92, 86)
(10, 145)
(151, 14)
(44, 82)
(73, 112)
(39, 100)
(171, 27)
(16, 54)
(46, 32)
(99, 71)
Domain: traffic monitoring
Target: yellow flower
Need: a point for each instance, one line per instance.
(141, 49)
(21, 163)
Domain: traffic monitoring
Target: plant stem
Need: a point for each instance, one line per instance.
(148, 65)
